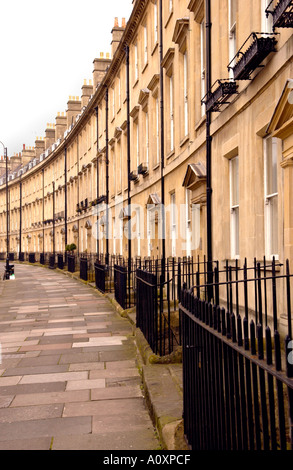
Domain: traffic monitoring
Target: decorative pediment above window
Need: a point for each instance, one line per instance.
(103, 220)
(88, 224)
(112, 141)
(154, 199)
(180, 31)
(124, 126)
(197, 6)
(195, 176)
(117, 133)
(124, 213)
(154, 83)
(134, 112)
(167, 61)
(281, 124)
(143, 96)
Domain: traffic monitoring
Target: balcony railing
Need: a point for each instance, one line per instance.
(282, 12)
(217, 98)
(101, 199)
(259, 46)
(133, 176)
(142, 169)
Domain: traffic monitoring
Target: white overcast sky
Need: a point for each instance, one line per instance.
(47, 49)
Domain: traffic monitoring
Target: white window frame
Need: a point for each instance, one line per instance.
(188, 221)
(171, 91)
(269, 198)
(149, 222)
(114, 236)
(113, 102)
(138, 229)
(119, 92)
(232, 38)
(173, 223)
(145, 43)
(266, 21)
(157, 130)
(147, 138)
(121, 227)
(234, 211)
(155, 23)
(137, 142)
(135, 62)
(185, 88)
(202, 65)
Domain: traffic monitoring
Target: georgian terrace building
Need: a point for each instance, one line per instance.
(194, 111)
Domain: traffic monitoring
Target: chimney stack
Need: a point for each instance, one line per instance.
(100, 67)
(39, 146)
(61, 125)
(117, 33)
(87, 91)
(15, 161)
(73, 109)
(49, 135)
(28, 153)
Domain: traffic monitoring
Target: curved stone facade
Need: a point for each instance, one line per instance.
(152, 113)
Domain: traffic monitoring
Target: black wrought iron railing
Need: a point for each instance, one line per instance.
(220, 92)
(251, 54)
(282, 13)
(60, 261)
(32, 257)
(100, 276)
(154, 314)
(83, 269)
(71, 263)
(237, 369)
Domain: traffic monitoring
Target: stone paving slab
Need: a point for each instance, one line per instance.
(69, 378)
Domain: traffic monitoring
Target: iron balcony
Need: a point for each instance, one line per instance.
(215, 99)
(282, 12)
(133, 176)
(260, 47)
(142, 169)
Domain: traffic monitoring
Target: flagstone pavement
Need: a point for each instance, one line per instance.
(68, 376)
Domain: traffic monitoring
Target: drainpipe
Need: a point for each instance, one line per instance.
(209, 152)
(65, 196)
(20, 214)
(54, 220)
(7, 213)
(162, 145)
(77, 157)
(97, 126)
(128, 166)
(107, 176)
(43, 175)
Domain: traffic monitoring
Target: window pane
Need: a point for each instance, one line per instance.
(235, 232)
(273, 207)
(235, 181)
(271, 166)
(233, 12)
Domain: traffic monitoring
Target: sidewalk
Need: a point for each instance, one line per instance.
(72, 371)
